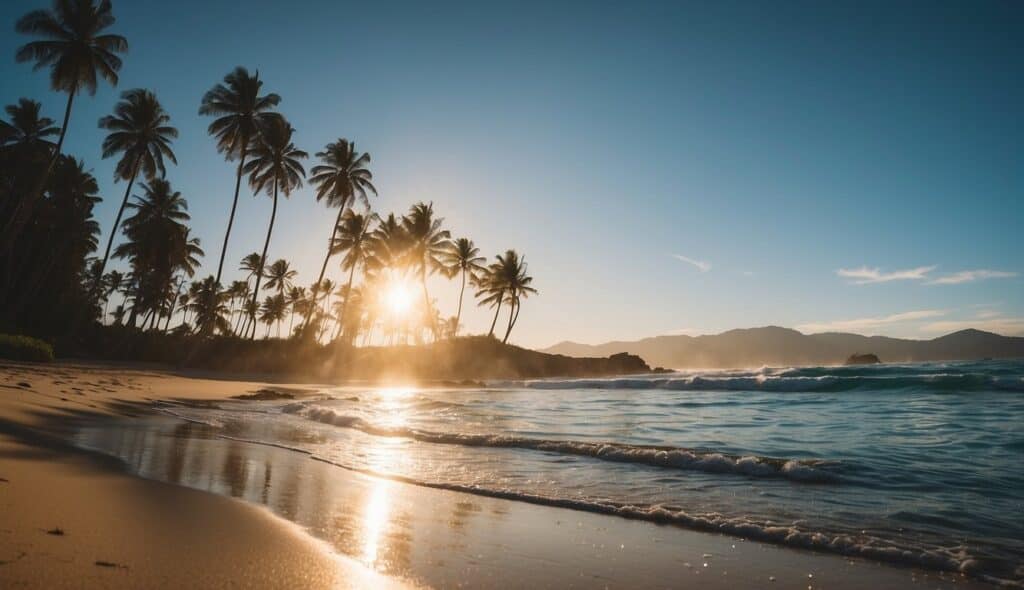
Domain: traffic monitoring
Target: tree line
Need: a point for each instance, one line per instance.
(54, 278)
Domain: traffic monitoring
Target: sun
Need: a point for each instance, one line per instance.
(399, 298)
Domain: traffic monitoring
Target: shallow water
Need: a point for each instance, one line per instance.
(919, 464)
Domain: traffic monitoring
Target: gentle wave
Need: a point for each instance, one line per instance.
(808, 471)
(939, 382)
(954, 559)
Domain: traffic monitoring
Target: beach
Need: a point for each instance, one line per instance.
(280, 518)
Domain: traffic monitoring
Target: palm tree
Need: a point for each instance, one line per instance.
(297, 301)
(516, 284)
(353, 238)
(275, 167)
(112, 283)
(158, 244)
(340, 179)
(27, 128)
(209, 307)
(491, 289)
(240, 112)
(139, 131)
(426, 243)
(273, 310)
(280, 275)
(462, 258)
(72, 45)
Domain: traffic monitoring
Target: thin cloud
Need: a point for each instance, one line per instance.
(701, 265)
(969, 276)
(871, 323)
(1008, 326)
(865, 275)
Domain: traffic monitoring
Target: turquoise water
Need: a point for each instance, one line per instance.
(920, 464)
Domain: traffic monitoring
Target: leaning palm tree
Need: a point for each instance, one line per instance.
(340, 179)
(426, 243)
(139, 131)
(275, 167)
(462, 258)
(519, 287)
(353, 238)
(297, 302)
(240, 112)
(490, 290)
(73, 46)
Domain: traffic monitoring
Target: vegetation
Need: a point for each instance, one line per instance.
(25, 348)
(57, 284)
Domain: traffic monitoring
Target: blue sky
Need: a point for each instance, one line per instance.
(665, 167)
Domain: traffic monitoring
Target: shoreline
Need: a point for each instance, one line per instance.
(508, 533)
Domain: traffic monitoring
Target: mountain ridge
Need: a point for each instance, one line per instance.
(778, 346)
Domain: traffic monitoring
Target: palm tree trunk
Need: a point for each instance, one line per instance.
(234, 205)
(494, 322)
(427, 308)
(511, 315)
(458, 315)
(323, 269)
(117, 221)
(348, 295)
(263, 258)
(23, 211)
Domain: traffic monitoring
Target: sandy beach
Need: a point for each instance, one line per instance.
(74, 518)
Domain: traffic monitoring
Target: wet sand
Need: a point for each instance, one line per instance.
(352, 529)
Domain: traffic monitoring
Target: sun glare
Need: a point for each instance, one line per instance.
(399, 298)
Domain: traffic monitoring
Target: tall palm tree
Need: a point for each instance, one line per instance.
(139, 131)
(426, 243)
(297, 301)
(275, 167)
(340, 179)
(353, 238)
(490, 290)
(240, 112)
(462, 258)
(73, 46)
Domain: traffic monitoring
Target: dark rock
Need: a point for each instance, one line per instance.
(862, 359)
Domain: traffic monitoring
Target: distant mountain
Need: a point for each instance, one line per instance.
(774, 346)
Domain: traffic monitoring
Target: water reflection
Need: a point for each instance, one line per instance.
(372, 520)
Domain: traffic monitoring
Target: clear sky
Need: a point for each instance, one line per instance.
(665, 167)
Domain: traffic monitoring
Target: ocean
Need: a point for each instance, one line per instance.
(918, 464)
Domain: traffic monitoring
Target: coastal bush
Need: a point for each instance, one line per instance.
(25, 348)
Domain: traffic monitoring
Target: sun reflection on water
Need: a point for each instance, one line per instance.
(375, 520)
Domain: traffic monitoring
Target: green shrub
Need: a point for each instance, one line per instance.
(24, 348)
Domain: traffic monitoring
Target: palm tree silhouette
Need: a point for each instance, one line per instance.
(462, 258)
(140, 133)
(511, 272)
(340, 179)
(352, 239)
(72, 45)
(209, 307)
(27, 128)
(112, 283)
(280, 275)
(240, 112)
(426, 243)
(275, 167)
(273, 310)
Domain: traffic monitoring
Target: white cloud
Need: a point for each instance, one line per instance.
(969, 276)
(869, 324)
(865, 275)
(1008, 326)
(702, 266)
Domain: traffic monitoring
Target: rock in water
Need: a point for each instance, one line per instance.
(863, 359)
